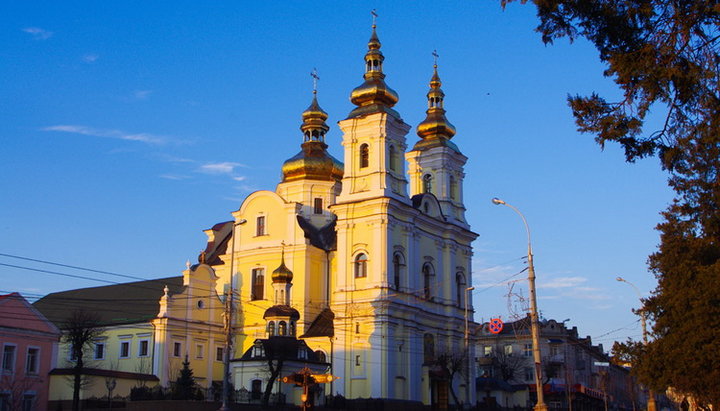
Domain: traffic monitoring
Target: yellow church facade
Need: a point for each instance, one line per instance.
(380, 256)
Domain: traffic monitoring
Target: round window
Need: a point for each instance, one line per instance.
(200, 304)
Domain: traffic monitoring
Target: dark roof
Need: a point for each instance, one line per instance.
(281, 348)
(282, 311)
(107, 373)
(115, 304)
(324, 238)
(218, 247)
(322, 325)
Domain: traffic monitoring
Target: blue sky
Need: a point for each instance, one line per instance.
(129, 127)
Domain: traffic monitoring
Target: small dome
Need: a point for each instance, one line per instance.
(374, 91)
(312, 162)
(282, 311)
(435, 126)
(282, 274)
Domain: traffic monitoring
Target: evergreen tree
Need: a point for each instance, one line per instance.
(665, 57)
(184, 388)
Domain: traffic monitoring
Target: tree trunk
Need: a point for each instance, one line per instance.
(274, 373)
(77, 371)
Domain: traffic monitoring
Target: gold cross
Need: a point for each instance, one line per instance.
(315, 77)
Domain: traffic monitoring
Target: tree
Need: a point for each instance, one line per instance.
(275, 363)
(185, 387)
(664, 55)
(79, 331)
(451, 364)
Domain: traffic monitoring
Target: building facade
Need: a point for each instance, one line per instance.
(29, 345)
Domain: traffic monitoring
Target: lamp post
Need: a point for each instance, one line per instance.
(467, 346)
(643, 322)
(535, 331)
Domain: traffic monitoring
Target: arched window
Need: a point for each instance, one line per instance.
(256, 389)
(364, 156)
(271, 328)
(361, 266)
(427, 183)
(398, 263)
(427, 272)
(461, 285)
(453, 188)
(292, 329)
(321, 357)
(392, 154)
(282, 328)
(428, 348)
(258, 284)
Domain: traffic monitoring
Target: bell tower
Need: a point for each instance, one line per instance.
(436, 165)
(373, 136)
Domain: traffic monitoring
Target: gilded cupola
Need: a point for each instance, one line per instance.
(282, 274)
(373, 95)
(313, 161)
(435, 130)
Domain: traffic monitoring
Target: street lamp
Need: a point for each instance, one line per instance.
(643, 322)
(540, 405)
(467, 346)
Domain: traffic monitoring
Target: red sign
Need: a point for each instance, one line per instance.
(495, 325)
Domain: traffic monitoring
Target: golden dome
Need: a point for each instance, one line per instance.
(435, 129)
(313, 161)
(282, 274)
(373, 95)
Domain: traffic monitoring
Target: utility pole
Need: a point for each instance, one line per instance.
(467, 347)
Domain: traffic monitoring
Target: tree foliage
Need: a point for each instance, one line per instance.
(664, 55)
(185, 387)
(80, 330)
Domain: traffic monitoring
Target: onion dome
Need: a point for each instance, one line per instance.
(373, 95)
(435, 130)
(313, 161)
(282, 274)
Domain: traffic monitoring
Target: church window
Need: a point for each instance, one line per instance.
(321, 357)
(258, 350)
(143, 348)
(428, 348)
(364, 156)
(453, 188)
(282, 328)
(256, 390)
(392, 154)
(302, 353)
(125, 349)
(398, 263)
(357, 328)
(292, 329)
(318, 206)
(461, 285)
(260, 226)
(271, 328)
(177, 348)
(427, 272)
(427, 183)
(219, 353)
(361, 266)
(258, 284)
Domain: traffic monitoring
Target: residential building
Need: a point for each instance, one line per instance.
(29, 345)
(576, 373)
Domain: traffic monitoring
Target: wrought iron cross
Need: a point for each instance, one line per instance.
(374, 14)
(315, 77)
(435, 56)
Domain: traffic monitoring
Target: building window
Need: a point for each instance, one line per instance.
(28, 402)
(453, 188)
(258, 284)
(258, 350)
(392, 153)
(529, 374)
(357, 328)
(177, 349)
(428, 348)
(282, 328)
(8, 360)
(124, 349)
(260, 225)
(364, 156)
(527, 350)
(487, 350)
(427, 273)
(361, 266)
(398, 263)
(554, 349)
(32, 361)
(427, 183)
(357, 360)
(219, 353)
(256, 389)
(99, 351)
(302, 353)
(199, 351)
(321, 357)
(461, 285)
(271, 328)
(508, 350)
(144, 348)
(292, 328)
(4, 401)
(318, 206)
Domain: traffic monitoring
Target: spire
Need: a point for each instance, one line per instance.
(282, 274)
(373, 95)
(313, 126)
(435, 129)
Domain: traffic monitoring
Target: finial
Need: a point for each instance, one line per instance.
(166, 290)
(315, 77)
(374, 14)
(435, 57)
(187, 264)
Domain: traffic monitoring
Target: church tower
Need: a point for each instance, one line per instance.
(436, 163)
(374, 136)
(312, 177)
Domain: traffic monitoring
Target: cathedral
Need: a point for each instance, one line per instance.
(365, 261)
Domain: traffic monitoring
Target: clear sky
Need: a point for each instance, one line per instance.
(129, 127)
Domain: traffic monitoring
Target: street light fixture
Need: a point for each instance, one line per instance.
(534, 328)
(643, 321)
(467, 346)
